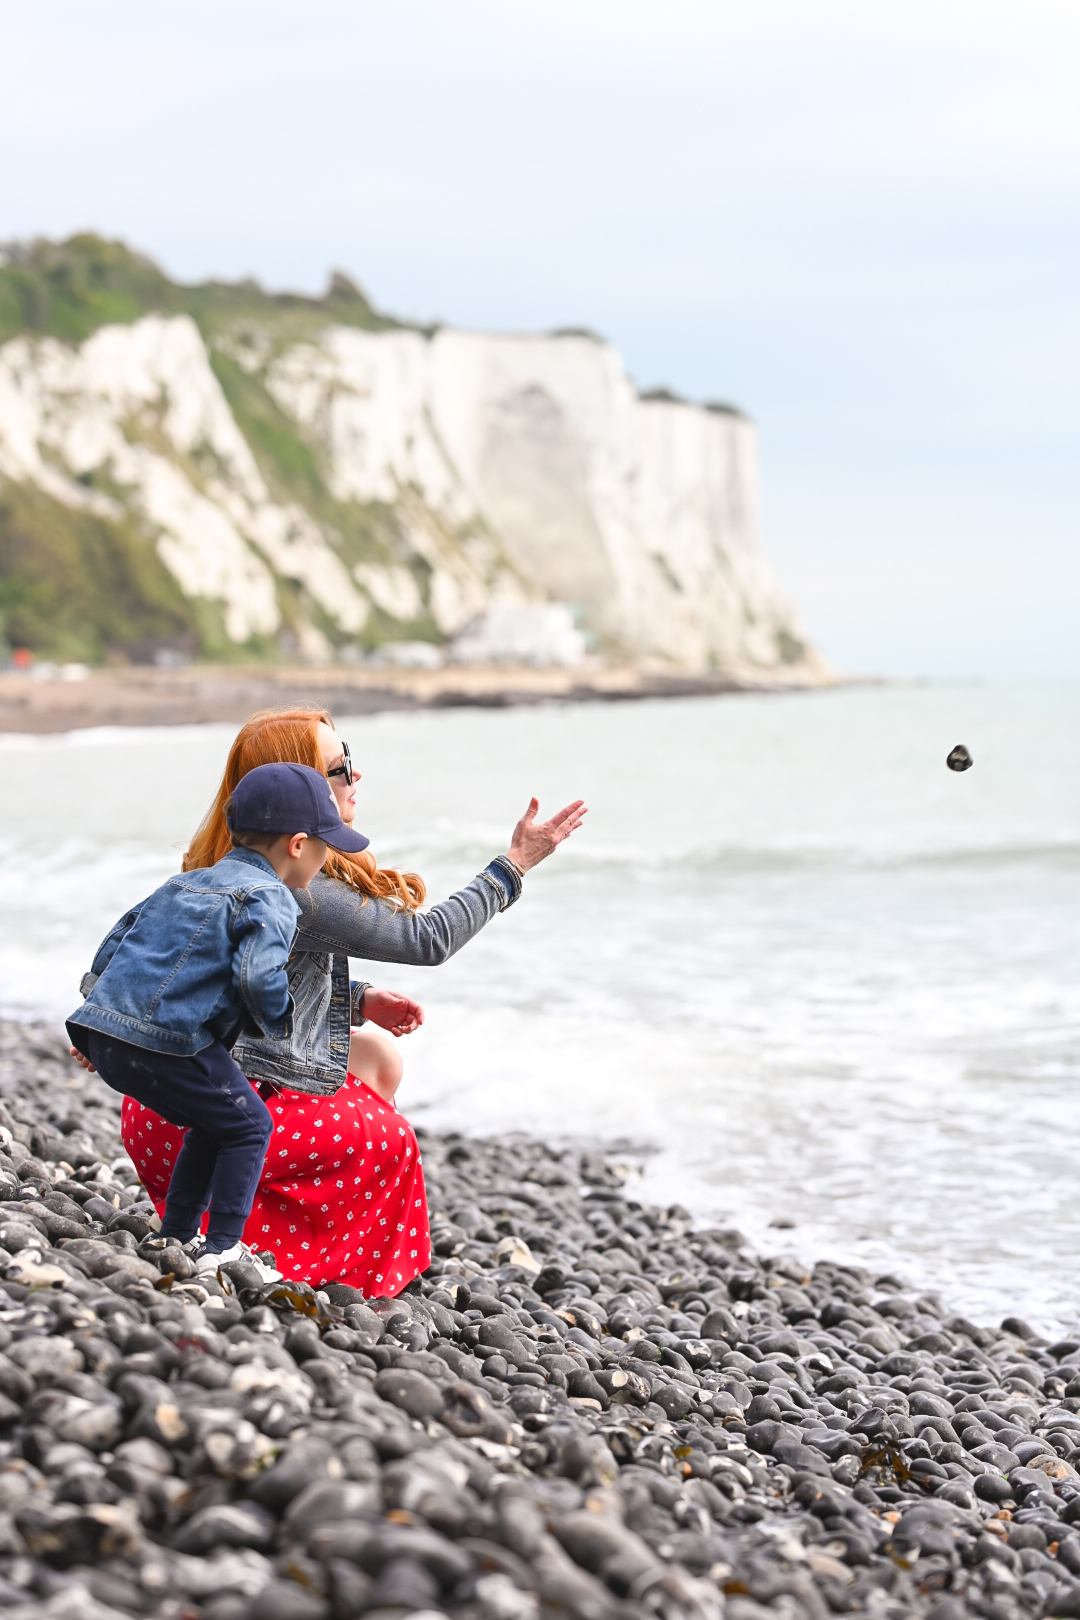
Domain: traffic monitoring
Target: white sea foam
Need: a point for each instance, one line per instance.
(826, 980)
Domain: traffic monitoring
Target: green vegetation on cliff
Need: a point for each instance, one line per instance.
(68, 290)
(74, 585)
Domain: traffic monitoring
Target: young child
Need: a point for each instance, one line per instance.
(182, 974)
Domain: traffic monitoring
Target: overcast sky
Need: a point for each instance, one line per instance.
(858, 222)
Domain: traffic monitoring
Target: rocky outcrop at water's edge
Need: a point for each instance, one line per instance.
(588, 1407)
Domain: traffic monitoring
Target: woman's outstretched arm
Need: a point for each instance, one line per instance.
(335, 918)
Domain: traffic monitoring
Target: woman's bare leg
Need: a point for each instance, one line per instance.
(375, 1060)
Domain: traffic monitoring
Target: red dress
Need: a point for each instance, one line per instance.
(341, 1198)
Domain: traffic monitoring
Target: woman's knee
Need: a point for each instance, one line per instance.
(376, 1061)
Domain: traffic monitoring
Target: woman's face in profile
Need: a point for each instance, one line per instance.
(332, 754)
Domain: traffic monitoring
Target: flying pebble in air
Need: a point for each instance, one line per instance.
(958, 759)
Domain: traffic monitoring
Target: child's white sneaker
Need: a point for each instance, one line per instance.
(207, 1262)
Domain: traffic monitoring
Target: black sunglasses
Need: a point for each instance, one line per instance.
(345, 769)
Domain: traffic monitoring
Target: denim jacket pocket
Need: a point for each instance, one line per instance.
(310, 982)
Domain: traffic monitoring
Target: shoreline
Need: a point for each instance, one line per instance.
(209, 693)
(586, 1407)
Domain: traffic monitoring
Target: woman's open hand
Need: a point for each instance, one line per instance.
(79, 1058)
(534, 841)
(391, 1012)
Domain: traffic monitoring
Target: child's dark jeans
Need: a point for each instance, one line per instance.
(227, 1124)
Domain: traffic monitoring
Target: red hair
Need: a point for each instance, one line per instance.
(290, 737)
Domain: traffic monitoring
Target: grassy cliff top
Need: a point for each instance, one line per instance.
(68, 289)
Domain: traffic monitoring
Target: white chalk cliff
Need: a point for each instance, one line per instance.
(504, 471)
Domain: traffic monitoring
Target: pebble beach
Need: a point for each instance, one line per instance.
(587, 1407)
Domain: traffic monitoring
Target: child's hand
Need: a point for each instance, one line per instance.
(392, 1012)
(84, 1061)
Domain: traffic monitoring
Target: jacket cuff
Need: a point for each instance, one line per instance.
(503, 876)
(356, 989)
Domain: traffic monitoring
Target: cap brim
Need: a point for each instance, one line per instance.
(345, 841)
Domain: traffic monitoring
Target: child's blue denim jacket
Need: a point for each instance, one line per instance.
(198, 961)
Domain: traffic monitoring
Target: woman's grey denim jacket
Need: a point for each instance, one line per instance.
(335, 923)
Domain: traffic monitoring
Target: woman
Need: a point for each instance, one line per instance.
(341, 1197)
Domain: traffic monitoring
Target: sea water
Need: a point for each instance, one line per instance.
(816, 984)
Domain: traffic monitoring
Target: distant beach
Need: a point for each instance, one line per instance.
(74, 698)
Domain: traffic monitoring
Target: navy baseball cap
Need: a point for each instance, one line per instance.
(291, 799)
